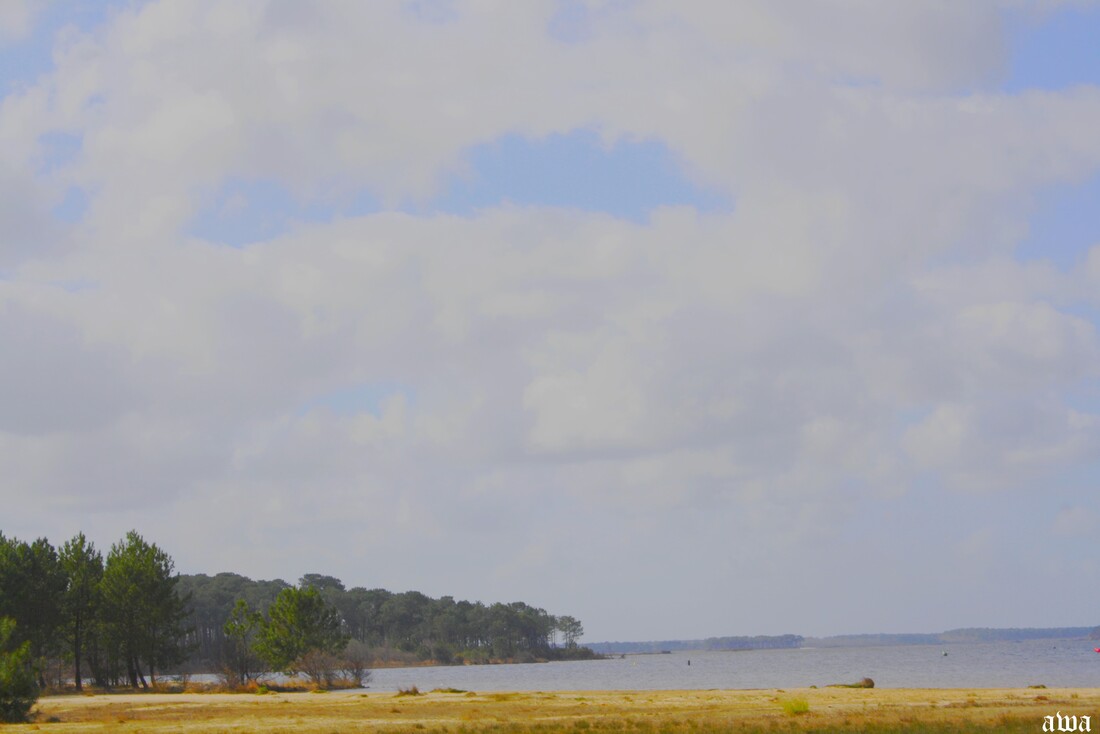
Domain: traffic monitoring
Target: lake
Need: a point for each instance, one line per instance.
(1069, 663)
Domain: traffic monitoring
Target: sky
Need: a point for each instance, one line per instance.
(685, 319)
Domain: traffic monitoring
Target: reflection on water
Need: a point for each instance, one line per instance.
(988, 665)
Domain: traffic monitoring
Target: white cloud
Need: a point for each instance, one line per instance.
(1005, 443)
(853, 327)
(16, 19)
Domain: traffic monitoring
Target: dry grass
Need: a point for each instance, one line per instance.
(691, 712)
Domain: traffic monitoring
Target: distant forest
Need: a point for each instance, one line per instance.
(759, 642)
(969, 634)
(398, 627)
(71, 614)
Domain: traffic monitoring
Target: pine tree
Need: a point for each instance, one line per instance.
(18, 688)
(83, 566)
(299, 622)
(142, 611)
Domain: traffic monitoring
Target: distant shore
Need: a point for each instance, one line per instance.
(806, 709)
(772, 642)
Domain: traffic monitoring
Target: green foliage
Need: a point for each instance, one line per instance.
(32, 584)
(129, 616)
(210, 602)
(241, 629)
(18, 688)
(407, 626)
(795, 706)
(83, 568)
(573, 653)
(143, 612)
(571, 629)
(299, 622)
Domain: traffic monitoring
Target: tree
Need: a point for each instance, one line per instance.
(32, 584)
(241, 629)
(18, 688)
(321, 582)
(83, 567)
(571, 629)
(299, 621)
(364, 615)
(404, 616)
(210, 602)
(143, 611)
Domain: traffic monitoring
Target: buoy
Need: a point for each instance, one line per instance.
(1096, 649)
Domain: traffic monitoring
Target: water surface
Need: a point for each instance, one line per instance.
(1070, 663)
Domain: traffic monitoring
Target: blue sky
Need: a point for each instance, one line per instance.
(1058, 52)
(505, 302)
(1054, 51)
(628, 179)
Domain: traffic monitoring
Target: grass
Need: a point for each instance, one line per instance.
(795, 706)
(816, 711)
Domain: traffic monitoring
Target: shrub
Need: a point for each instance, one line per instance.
(354, 663)
(443, 653)
(795, 706)
(319, 666)
(18, 688)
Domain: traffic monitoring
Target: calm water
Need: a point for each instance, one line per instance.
(989, 665)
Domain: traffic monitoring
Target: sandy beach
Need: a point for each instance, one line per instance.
(817, 709)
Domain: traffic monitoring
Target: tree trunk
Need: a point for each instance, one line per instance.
(76, 659)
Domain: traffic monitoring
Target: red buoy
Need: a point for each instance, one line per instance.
(1096, 649)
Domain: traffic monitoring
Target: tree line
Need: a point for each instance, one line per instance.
(403, 626)
(118, 619)
(757, 642)
(71, 613)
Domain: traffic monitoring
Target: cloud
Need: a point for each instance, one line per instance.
(553, 385)
(16, 19)
(1003, 445)
(1074, 521)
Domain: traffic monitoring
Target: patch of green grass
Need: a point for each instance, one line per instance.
(795, 706)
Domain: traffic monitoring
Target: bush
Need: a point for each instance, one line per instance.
(18, 688)
(795, 706)
(319, 666)
(354, 664)
(443, 653)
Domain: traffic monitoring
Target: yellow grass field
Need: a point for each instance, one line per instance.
(801, 710)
